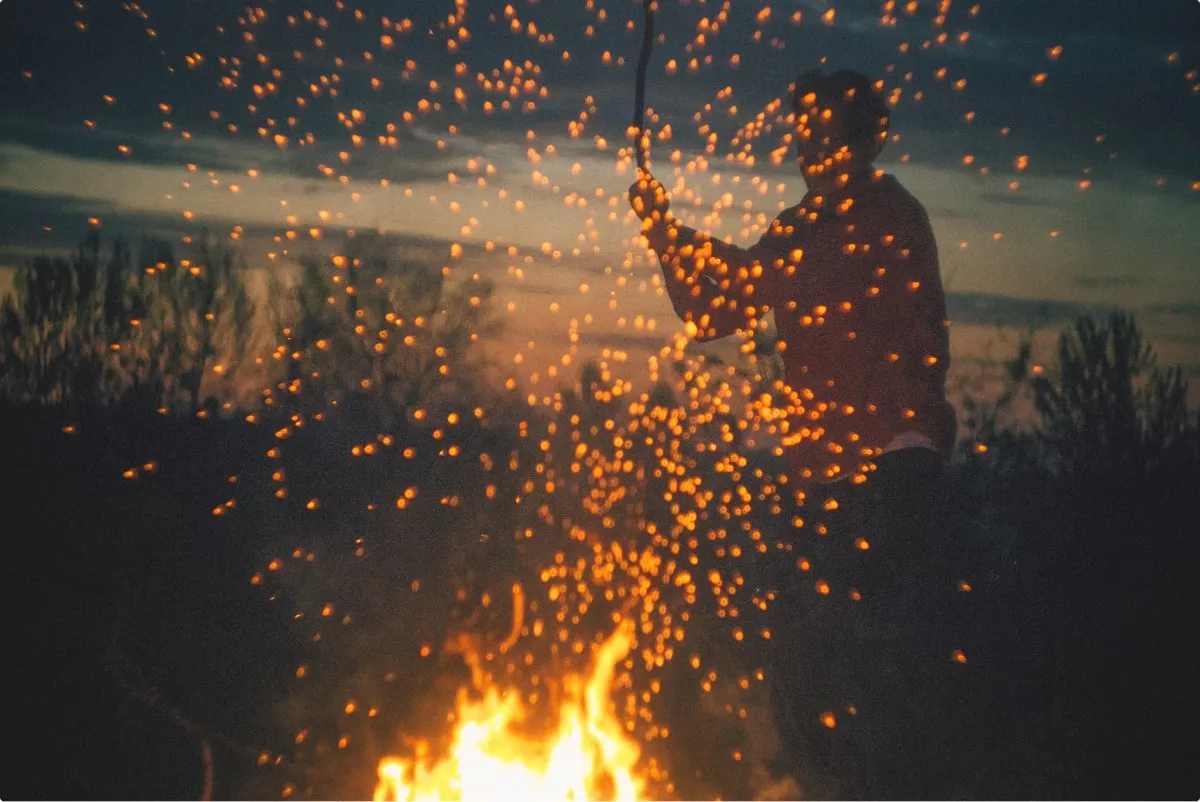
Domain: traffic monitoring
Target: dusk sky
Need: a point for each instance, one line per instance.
(316, 526)
(1053, 144)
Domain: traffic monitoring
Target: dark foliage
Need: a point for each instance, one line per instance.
(252, 575)
(125, 328)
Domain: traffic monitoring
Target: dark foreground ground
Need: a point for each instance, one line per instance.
(133, 633)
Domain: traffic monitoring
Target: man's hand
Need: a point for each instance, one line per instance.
(648, 197)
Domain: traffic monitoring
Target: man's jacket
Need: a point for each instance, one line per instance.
(854, 281)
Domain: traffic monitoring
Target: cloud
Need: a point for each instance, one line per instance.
(642, 344)
(1108, 282)
(1190, 309)
(1101, 20)
(989, 309)
(1013, 199)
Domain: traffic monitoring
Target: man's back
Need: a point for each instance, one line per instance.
(869, 339)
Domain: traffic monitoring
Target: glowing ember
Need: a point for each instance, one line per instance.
(587, 756)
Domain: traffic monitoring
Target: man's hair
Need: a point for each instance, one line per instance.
(858, 106)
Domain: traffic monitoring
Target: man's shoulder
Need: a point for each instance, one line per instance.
(881, 197)
(787, 225)
(898, 196)
(794, 213)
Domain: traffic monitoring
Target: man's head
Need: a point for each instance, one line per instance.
(841, 124)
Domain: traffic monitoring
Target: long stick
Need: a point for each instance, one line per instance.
(639, 107)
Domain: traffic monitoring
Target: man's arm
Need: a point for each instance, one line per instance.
(720, 288)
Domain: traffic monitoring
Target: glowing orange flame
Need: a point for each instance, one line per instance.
(588, 756)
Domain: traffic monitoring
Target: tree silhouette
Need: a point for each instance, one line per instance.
(1122, 555)
(1112, 411)
(195, 319)
(105, 328)
(372, 330)
(61, 327)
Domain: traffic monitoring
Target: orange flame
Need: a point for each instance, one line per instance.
(588, 756)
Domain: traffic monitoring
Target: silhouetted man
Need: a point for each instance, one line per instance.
(852, 275)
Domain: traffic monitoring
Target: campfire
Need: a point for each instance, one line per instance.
(586, 755)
